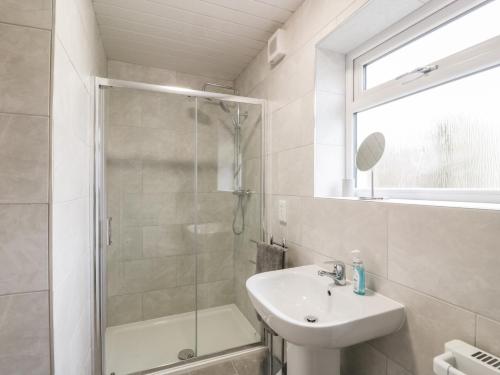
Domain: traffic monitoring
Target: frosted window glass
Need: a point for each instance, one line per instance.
(445, 137)
(466, 31)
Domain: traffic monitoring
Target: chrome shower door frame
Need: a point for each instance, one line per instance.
(100, 230)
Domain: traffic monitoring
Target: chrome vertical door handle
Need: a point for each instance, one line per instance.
(108, 230)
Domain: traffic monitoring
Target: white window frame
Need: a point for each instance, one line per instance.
(469, 61)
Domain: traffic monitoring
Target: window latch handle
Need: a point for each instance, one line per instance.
(417, 73)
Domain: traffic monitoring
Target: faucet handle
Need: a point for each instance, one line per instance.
(339, 271)
(336, 264)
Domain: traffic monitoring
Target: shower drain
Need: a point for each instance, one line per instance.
(311, 319)
(185, 354)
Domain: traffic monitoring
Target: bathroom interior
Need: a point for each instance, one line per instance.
(210, 187)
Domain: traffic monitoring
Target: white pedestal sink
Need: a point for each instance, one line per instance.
(290, 300)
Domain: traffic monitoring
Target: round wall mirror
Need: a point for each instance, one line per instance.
(370, 151)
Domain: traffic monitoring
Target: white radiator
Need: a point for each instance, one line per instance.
(461, 358)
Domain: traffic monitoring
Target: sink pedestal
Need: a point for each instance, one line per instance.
(302, 360)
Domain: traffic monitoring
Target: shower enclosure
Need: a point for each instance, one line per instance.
(179, 206)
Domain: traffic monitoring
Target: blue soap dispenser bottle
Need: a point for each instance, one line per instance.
(358, 278)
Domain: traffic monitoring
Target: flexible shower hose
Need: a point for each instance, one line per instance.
(239, 207)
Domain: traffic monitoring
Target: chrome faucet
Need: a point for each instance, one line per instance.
(338, 273)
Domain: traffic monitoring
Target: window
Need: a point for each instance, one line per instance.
(433, 90)
(452, 37)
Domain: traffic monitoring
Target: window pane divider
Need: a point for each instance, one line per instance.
(472, 60)
(411, 33)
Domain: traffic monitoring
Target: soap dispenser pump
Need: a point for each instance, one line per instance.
(358, 278)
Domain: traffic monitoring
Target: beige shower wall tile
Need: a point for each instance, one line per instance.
(124, 309)
(335, 227)
(23, 248)
(214, 294)
(169, 301)
(124, 176)
(124, 107)
(24, 334)
(215, 265)
(449, 253)
(24, 158)
(131, 242)
(35, 13)
(215, 207)
(488, 335)
(251, 131)
(170, 177)
(213, 237)
(172, 111)
(156, 209)
(142, 275)
(164, 241)
(186, 270)
(147, 144)
(25, 73)
(251, 174)
(429, 324)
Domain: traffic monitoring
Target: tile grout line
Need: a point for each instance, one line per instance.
(26, 26)
(24, 292)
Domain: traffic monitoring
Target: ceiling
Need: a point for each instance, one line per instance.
(214, 38)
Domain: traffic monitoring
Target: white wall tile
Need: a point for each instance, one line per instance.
(78, 57)
(330, 119)
(330, 71)
(329, 167)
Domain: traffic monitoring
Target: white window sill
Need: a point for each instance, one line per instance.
(422, 202)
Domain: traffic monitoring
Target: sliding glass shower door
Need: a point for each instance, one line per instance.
(150, 263)
(181, 191)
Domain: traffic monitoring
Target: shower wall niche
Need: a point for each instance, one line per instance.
(182, 178)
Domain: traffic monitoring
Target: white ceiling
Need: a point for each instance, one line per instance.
(215, 38)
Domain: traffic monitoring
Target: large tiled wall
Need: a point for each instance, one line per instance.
(25, 46)
(78, 58)
(441, 262)
(151, 263)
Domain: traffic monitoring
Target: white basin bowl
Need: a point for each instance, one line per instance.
(285, 298)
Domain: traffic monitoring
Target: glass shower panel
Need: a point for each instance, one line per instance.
(150, 182)
(229, 203)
